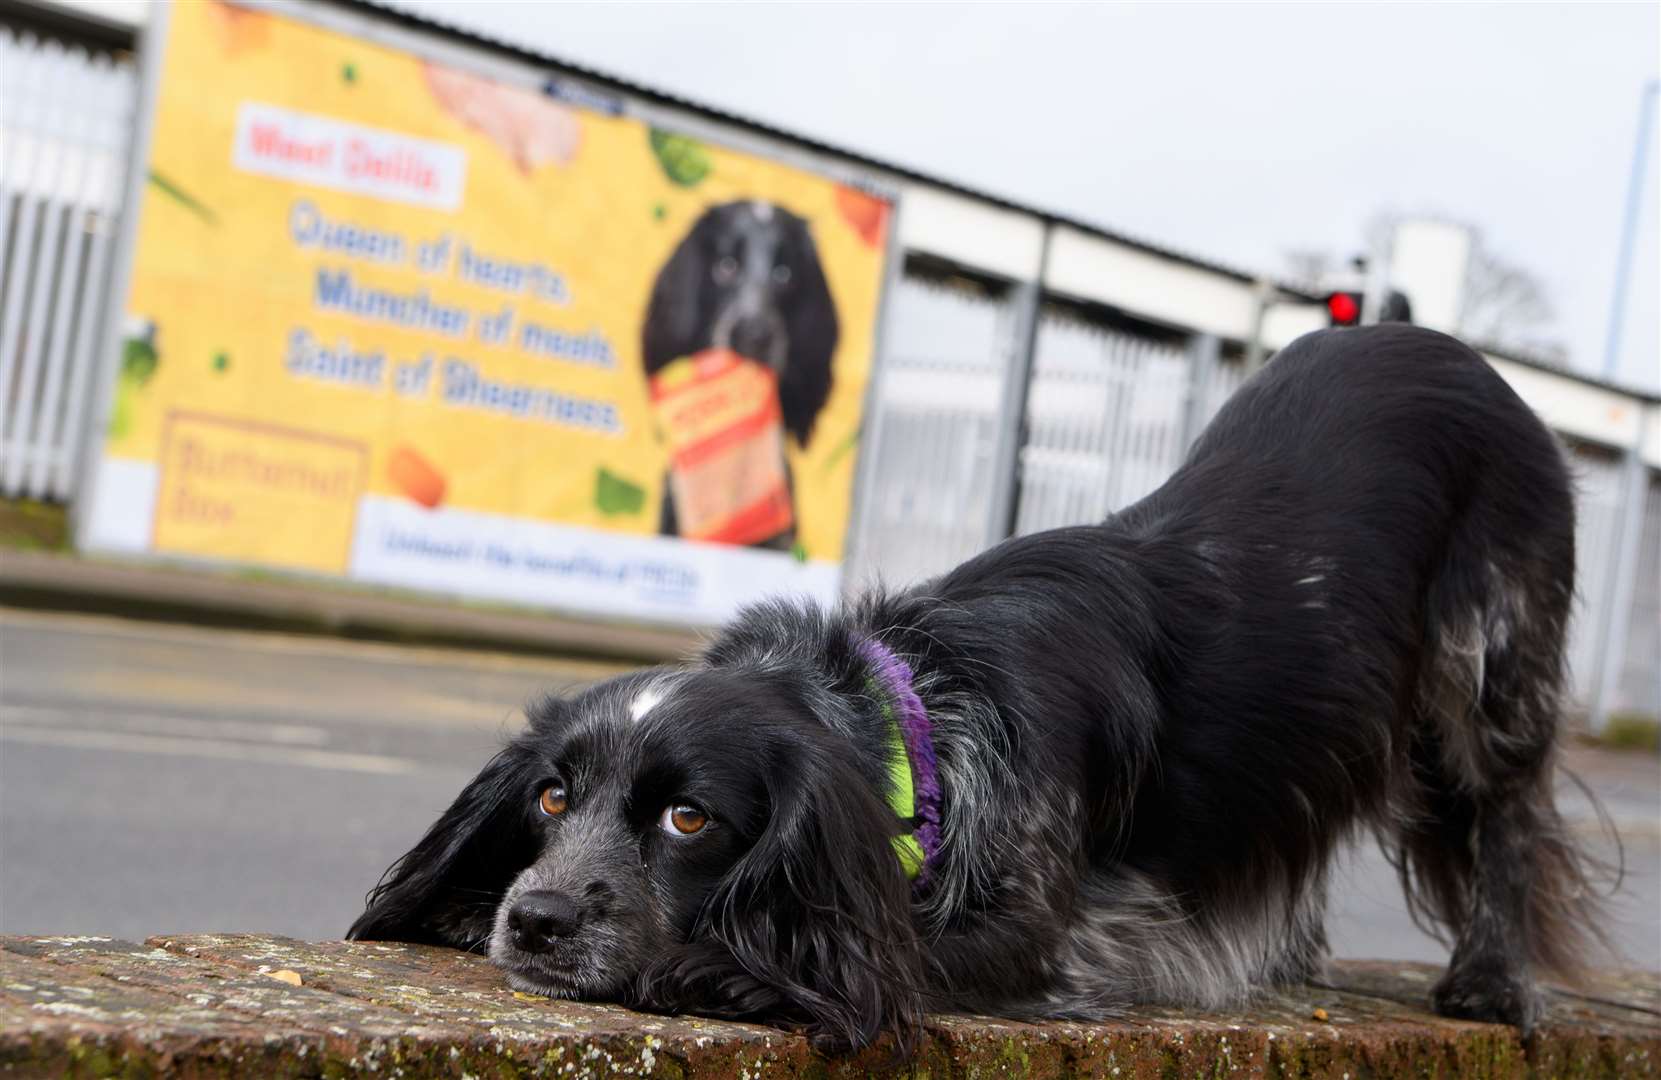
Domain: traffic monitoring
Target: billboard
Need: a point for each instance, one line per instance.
(403, 323)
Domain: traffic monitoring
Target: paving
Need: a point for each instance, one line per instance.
(225, 1005)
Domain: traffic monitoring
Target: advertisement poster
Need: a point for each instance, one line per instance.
(398, 322)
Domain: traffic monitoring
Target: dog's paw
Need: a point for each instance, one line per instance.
(1490, 993)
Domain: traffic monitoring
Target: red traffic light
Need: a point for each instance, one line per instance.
(1343, 308)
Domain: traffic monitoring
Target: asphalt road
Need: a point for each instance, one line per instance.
(161, 779)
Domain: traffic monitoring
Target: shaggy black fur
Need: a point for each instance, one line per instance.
(1345, 610)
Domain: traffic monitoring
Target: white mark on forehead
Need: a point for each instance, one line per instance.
(763, 210)
(647, 700)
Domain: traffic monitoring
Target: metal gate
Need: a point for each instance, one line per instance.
(1598, 491)
(945, 355)
(1638, 689)
(65, 120)
(1105, 421)
(1212, 392)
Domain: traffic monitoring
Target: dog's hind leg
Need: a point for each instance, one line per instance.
(1481, 849)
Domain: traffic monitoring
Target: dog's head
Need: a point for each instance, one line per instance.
(747, 278)
(675, 839)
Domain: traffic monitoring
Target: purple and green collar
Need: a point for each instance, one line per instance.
(914, 788)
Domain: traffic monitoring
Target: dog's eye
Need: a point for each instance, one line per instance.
(554, 800)
(682, 819)
(725, 269)
(781, 274)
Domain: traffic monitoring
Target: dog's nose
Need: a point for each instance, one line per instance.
(756, 339)
(538, 919)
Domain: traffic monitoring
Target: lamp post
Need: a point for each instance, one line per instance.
(1629, 227)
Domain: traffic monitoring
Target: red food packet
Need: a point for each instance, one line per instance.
(720, 415)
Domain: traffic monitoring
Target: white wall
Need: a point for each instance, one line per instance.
(125, 14)
(1574, 407)
(975, 234)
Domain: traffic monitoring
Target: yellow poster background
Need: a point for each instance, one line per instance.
(220, 286)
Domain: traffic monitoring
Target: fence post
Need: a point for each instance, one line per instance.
(105, 363)
(1617, 596)
(1263, 296)
(1204, 353)
(856, 535)
(1012, 415)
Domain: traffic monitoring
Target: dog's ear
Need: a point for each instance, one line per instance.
(675, 323)
(445, 890)
(811, 324)
(813, 925)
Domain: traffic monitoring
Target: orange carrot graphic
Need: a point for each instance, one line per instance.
(416, 477)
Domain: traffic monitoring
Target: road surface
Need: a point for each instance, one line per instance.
(160, 778)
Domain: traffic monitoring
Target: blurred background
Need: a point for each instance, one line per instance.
(331, 431)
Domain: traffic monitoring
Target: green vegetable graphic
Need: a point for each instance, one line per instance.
(684, 159)
(221, 361)
(183, 197)
(349, 72)
(139, 360)
(843, 449)
(615, 495)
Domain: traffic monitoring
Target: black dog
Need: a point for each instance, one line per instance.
(747, 278)
(1115, 759)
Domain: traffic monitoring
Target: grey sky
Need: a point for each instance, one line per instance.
(1233, 131)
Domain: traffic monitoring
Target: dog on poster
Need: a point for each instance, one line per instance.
(745, 281)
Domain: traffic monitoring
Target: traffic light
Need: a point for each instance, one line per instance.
(1395, 308)
(1344, 308)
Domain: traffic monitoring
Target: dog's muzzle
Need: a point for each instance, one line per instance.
(540, 920)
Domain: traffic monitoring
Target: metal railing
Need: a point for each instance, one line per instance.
(947, 347)
(1105, 421)
(65, 122)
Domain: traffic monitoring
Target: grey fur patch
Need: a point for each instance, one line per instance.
(1132, 941)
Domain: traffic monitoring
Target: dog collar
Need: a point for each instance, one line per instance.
(914, 779)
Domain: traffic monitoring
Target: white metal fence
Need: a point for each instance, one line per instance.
(1105, 418)
(65, 121)
(1638, 689)
(1598, 490)
(945, 354)
(1220, 383)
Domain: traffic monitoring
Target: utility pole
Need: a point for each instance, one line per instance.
(1376, 286)
(1263, 295)
(1629, 228)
